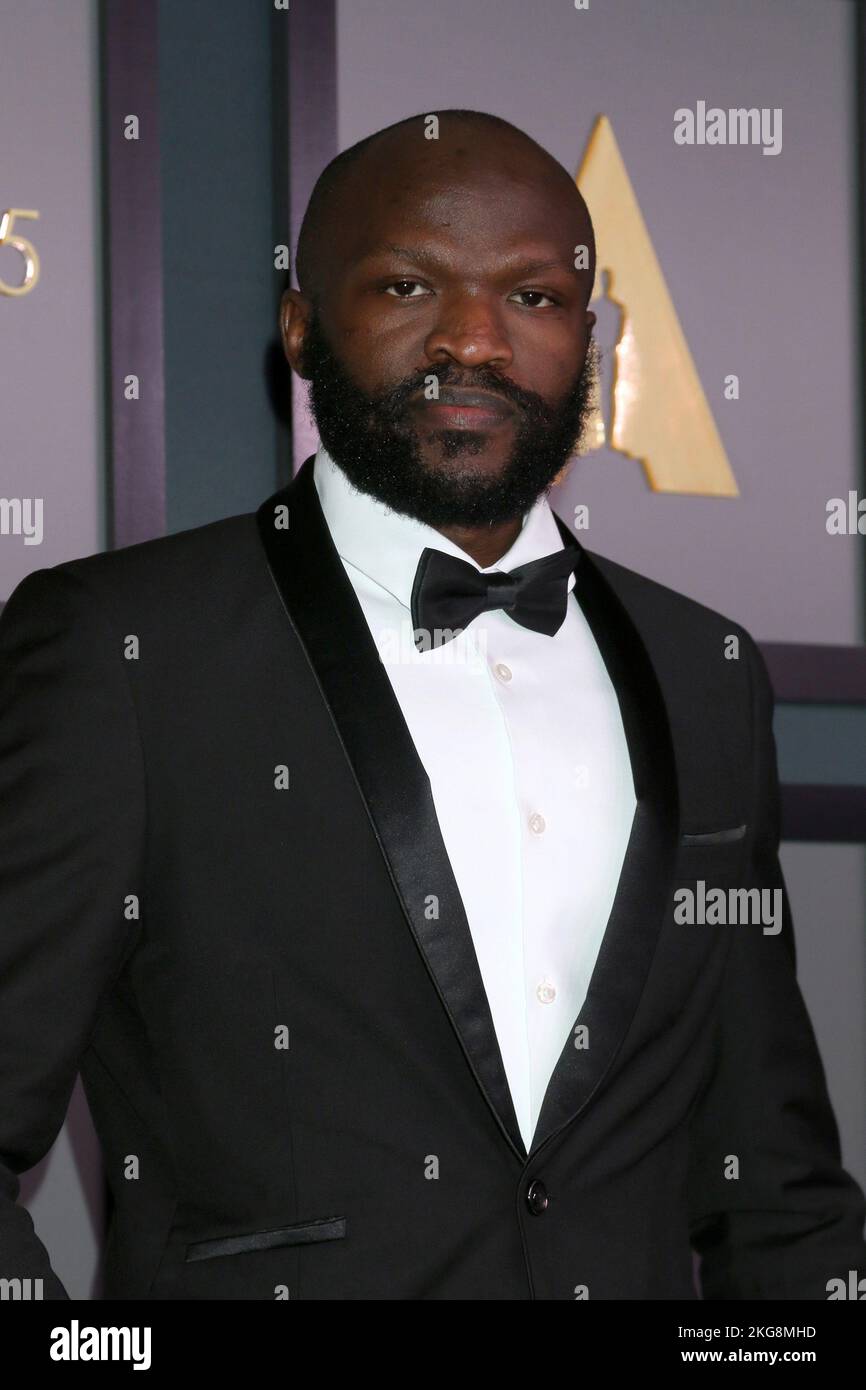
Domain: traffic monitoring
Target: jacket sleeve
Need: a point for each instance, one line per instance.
(792, 1218)
(71, 835)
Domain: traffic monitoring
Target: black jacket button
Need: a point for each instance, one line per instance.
(536, 1197)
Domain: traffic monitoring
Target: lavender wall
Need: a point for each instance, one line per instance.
(51, 436)
(51, 399)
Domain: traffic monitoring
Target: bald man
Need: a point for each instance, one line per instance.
(401, 876)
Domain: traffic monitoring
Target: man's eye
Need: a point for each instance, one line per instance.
(400, 284)
(536, 294)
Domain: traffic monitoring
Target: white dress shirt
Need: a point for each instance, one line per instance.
(522, 739)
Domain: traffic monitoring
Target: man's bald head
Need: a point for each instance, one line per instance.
(443, 321)
(467, 141)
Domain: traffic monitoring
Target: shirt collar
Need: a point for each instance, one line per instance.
(386, 545)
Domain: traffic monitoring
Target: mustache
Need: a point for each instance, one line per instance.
(389, 406)
(392, 403)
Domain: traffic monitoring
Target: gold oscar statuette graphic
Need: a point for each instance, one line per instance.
(659, 414)
(8, 237)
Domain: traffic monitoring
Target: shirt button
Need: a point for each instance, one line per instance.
(537, 823)
(536, 1197)
(545, 992)
(503, 671)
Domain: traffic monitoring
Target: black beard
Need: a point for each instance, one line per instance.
(369, 438)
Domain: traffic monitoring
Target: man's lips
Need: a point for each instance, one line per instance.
(469, 409)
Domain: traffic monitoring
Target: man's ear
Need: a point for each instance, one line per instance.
(295, 313)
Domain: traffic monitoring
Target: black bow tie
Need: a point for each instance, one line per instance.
(449, 593)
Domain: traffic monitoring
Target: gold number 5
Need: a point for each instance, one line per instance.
(27, 249)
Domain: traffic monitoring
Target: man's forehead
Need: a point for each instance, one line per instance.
(437, 247)
(524, 223)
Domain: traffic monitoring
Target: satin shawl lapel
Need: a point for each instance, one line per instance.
(329, 622)
(648, 867)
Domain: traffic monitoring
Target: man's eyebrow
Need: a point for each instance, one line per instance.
(419, 256)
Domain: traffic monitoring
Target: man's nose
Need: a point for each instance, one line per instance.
(470, 329)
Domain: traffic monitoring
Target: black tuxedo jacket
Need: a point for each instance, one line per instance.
(218, 851)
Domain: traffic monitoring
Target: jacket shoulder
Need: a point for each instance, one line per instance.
(196, 563)
(200, 550)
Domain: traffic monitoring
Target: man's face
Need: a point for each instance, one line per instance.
(465, 286)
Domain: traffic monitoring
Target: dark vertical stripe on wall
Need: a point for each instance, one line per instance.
(133, 283)
(312, 85)
(219, 116)
(279, 373)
